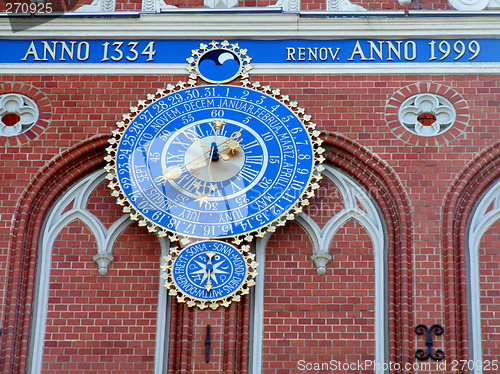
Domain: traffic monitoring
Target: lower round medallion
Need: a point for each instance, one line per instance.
(209, 273)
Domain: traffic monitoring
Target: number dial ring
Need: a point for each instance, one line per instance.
(280, 158)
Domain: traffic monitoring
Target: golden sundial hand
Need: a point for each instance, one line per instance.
(218, 123)
(191, 136)
(175, 171)
(232, 145)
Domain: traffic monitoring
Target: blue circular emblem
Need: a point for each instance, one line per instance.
(214, 162)
(210, 272)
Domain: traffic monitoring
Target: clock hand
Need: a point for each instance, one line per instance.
(203, 195)
(209, 269)
(197, 158)
(232, 145)
(175, 171)
(218, 123)
(208, 286)
(193, 138)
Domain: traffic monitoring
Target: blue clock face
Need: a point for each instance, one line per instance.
(214, 161)
(209, 270)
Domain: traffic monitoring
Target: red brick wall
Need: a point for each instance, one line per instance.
(352, 105)
(228, 349)
(312, 319)
(99, 323)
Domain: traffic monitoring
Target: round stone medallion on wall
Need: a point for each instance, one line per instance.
(24, 113)
(427, 114)
(469, 5)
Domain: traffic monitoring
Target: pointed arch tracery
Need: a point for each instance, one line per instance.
(369, 172)
(72, 206)
(54, 198)
(39, 196)
(382, 184)
(358, 206)
(459, 241)
(372, 195)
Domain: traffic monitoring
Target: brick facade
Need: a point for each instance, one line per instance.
(425, 192)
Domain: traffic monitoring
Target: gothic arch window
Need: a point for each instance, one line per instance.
(358, 206)
(72, 207)
(483, 269)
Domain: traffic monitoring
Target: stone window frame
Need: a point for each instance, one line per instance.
(59, 217)
(370, 219)
(481, 220)
(78, 195)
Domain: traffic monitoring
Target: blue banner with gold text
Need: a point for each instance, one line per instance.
(293, 51)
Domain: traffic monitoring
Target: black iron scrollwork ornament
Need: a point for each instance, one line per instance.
(421, 354)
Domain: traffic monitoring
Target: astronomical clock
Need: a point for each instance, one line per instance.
(213, 162)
